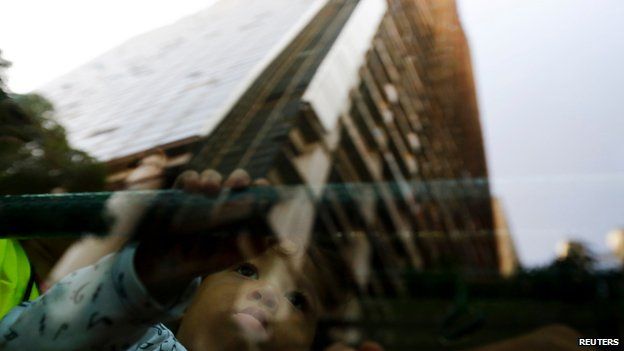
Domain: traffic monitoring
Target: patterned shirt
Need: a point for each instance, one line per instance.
(100, 307)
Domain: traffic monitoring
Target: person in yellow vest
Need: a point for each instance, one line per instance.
(17, 279)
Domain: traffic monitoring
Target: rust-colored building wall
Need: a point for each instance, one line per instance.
(455, 82)
(432, 72)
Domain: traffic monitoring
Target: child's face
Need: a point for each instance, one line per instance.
(262, 304)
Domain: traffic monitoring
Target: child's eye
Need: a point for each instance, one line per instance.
(248, 270)
(298, 300)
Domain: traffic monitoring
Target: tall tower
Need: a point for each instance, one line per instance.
(374, 94)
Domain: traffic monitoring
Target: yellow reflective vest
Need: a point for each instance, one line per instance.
(17, 283)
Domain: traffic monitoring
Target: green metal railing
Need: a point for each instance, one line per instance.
(76, 214)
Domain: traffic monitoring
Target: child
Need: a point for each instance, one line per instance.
(270, 301)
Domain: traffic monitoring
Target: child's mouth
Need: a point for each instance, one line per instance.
(253, 323)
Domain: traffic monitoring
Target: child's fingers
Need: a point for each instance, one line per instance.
(237, 180)
(210, 182)
(188, 181)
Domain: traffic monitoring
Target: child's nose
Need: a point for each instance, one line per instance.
(264, 295)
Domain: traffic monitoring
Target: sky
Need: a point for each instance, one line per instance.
(548, 78)
(45, 39)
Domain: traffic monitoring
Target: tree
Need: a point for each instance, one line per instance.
(4, 64)
(575, 256)
(35, 156)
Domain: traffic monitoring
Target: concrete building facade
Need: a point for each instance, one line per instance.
(369, 103)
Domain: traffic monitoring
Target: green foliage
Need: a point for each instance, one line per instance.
(4, 64)
(35, 156)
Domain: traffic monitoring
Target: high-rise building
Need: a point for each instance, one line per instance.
(509, 264)
(373, 94)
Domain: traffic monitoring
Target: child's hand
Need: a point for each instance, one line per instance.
(167, 262)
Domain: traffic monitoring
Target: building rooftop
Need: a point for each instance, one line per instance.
(175, 82)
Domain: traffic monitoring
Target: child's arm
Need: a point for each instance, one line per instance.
(104, 306)
(115, 302)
